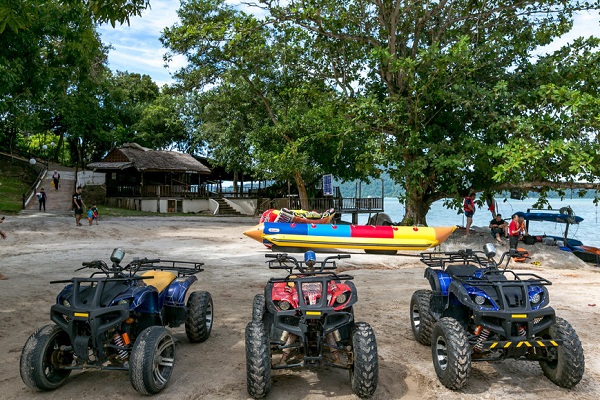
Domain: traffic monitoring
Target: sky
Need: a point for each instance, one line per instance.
(137, 49)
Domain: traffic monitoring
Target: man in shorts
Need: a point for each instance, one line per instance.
(498, 228)
(78, 205)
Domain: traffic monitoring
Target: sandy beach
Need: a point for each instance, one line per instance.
(41, 248)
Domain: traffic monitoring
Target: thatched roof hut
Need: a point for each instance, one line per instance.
(132, 155)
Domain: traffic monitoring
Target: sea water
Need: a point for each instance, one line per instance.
(439, 215)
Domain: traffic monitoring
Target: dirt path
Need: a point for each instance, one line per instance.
(41, 248)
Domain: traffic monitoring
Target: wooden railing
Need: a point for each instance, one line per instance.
(342, 205)
(185, 191)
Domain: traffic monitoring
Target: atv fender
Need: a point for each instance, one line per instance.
(459, 303)
(176, 292)
(146, 300)
(438, 280)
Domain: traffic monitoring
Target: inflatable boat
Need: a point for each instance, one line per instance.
(372, 239)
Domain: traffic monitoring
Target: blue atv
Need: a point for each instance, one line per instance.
(476, 311)
(115, 320)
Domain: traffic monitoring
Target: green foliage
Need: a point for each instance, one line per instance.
(14, 181)
(20, 15)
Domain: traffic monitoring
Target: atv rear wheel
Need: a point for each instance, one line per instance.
(421, 319)
(42, 357)
(152, 360)
(566, 367)
(451, 353)
(258, 360)
(198, 324)
(258, 307)
(364, 373)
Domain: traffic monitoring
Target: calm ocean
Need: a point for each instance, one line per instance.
(440, 216)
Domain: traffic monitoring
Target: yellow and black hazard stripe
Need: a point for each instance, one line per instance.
(509, 344)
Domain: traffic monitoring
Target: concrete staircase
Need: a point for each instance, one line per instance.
(57, 201)
(226, 209)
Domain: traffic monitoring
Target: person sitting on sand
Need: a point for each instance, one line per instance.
(498, 227)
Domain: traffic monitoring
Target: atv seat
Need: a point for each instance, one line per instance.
(461, 270)
(161, 279)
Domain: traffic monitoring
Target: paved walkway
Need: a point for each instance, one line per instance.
(57, 201)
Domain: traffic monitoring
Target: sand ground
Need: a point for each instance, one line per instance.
(41, 248)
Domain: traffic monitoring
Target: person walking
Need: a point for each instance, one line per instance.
(55, 179)
(78, 205)
(42, 199)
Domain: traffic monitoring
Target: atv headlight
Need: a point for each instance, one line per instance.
(479, 300)
(284, 305)
(123, 301)
(66, 303)
(535, 299)
(342, 298)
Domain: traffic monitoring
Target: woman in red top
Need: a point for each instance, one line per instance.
(514, 231)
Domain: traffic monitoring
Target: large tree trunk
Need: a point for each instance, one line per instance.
(416, 207)
(302, 194)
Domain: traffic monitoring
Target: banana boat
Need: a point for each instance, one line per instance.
(372, 239)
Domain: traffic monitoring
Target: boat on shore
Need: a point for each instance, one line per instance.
(297, 216)
(379, 239)
(563, 216)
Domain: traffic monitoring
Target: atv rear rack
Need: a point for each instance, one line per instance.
(163, 265)
(440, 259)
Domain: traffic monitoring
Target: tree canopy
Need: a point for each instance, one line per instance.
(456, 92)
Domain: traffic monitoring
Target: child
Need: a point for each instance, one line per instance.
(93, 214)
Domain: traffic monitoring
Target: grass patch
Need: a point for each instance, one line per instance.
(13, 183)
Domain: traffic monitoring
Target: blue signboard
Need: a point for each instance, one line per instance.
(327, 185)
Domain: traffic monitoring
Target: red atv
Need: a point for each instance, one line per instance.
(307, 321)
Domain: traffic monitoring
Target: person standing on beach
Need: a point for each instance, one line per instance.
(469, 209)
(514, 231)
(42, 199)
(55, 179)
(78, 205)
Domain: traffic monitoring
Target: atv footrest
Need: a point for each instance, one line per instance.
(286, 366)
(512, 344)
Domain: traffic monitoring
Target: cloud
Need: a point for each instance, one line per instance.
(137, 49)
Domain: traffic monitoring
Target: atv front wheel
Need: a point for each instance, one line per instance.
(258, 360)
(421, 319)
(198, 324)
(152, 360)
(566, 364)
(258, 307)
(42, 358)
(365, 369)
(451, 353)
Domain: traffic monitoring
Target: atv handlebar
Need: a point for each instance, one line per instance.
(287, 262)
